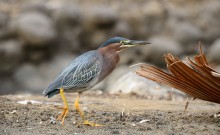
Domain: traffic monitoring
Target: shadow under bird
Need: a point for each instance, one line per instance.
(87, 70)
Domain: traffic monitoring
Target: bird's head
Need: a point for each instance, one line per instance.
(120, 43)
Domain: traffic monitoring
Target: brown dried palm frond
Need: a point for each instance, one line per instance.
(196, 78)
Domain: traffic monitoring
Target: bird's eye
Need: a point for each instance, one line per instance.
(124, 42)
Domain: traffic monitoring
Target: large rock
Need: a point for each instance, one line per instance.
(36, 78)
(111, 79)
(98, 25)
(154, 15)
(159, 46)
(35, 6)
(10, 56)
(68, 21)
(99, 16)
(208, 20)
(131, 83)
(4, 18)
(35, 28)
(67, 14)
(213, 52)
(184, 32)
(132, 55)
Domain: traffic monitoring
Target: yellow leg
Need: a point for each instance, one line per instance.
(65, 108)
(76, 104)
(86, 122)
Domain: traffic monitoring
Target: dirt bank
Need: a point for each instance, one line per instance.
(140, 116)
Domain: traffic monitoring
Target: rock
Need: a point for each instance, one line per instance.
(34, 28)
(117, 73)
(153, 8)
(123, 28)
(98, 25)
(134, 84)
(208, 20)
(214, 50)
(154, 14)
(30, 79)
(35, 6)
(101, 17)
(159, 46)
(8, 85)
(184, 32)
(4, 18)
(128, 82)
(35, 79)
(10, 56)
(132, 56)
(67, 14)
(68, 19)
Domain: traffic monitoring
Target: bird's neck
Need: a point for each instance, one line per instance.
(110, 59)
(110, 55)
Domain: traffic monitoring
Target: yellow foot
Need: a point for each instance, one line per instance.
(92, 124)
(63, 114)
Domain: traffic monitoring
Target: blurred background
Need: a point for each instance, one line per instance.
(38, 38)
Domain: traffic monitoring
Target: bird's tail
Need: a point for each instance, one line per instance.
(52, 93)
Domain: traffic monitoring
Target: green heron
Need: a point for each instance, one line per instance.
(87, 70)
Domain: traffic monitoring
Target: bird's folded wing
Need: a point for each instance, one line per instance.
(197, 78)
(78, 74)
(82, 74)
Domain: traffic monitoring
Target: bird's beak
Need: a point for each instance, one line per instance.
(131, 43)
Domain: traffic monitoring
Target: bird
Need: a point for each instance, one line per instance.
(87, 70)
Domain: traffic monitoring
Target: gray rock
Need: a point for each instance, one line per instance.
(184, 32)
(132, 55)
(8, 85)
(4, 18)
(29, 77)
(10, 56)
(99, 16)
(153, 8)
(208, 20)
(131, 83)
(117, 73)
(213, 52)
(123, 28)
(67, 14)
(35, 6)
(34, 28)
(159, 46)
(68, 22)
(34, 79)
(98, 25)
(154, 15)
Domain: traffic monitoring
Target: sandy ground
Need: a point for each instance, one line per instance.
(126, 115)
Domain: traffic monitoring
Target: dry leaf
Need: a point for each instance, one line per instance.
(196, 78)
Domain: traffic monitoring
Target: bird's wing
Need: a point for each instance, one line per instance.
(79, 73)
(82, 74)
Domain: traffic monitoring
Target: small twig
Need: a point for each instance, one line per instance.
(215, 74)
(186, 106)
(136, 65)
(187, 103)
(171, 94)
(122, 113)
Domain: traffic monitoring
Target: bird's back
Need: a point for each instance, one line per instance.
(80, 75)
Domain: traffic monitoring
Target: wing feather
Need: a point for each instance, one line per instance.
(79, 74)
